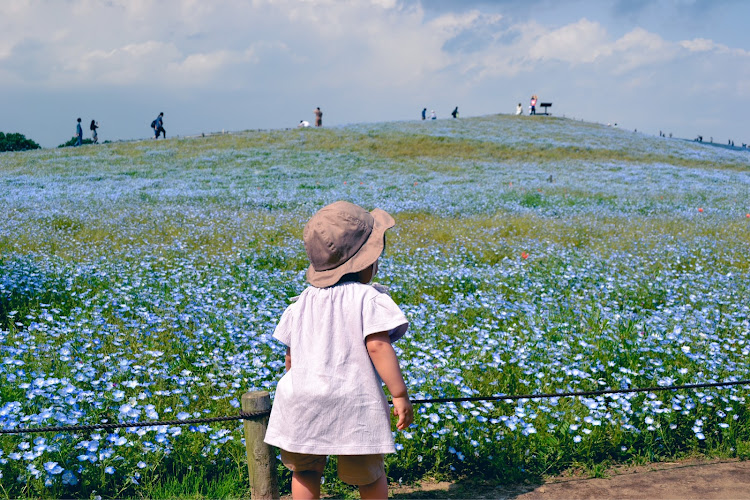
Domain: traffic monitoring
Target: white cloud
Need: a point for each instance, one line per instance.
(640, 48)
(699, 45)
(581, 42)
(127, 65)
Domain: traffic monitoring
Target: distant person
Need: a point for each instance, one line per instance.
(158, 126)
(532, 105)
(303, 124)
(318, 117)
(519, 109)
(424, 113)
(93, 127)
(454, 113)
(433, 116)
(79, 133)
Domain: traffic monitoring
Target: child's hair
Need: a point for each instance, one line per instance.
(354, 277)
(348, 278)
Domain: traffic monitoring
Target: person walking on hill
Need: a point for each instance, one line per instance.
(532, 105)
(454, 113)
(318, 117)
(424, 113)
(433, 116)
(93, 127)
(79, 133)
(519, 109)
(158, 126)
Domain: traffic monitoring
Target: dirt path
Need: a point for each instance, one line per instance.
(697, 479)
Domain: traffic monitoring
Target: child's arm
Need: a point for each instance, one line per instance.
(386, 363)
(288, 359)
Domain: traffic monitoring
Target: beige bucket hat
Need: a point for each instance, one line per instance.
(343, 238)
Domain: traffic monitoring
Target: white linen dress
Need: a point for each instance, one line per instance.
(331, 402)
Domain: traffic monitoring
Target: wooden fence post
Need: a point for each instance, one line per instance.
(261, 461)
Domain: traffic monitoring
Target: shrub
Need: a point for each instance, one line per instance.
(72, 142)
(16, 142)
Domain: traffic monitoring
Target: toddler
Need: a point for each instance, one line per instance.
(338, 335)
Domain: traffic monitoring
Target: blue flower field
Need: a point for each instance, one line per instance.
(142, 281)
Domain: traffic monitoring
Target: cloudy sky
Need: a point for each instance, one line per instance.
(680, 66)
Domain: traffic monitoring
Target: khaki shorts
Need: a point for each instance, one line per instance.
(356, 470)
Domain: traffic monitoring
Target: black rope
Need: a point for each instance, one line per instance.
(243, 415)
(583, 393)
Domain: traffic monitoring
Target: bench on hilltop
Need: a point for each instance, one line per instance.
(545, 105)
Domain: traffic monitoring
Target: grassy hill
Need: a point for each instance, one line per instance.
(142, 280)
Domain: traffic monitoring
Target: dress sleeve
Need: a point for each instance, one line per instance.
(381, 314)
(283, 331)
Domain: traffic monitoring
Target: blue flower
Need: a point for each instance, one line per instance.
(52, 468)
(68, 478)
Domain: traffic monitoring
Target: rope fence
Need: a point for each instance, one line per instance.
(253, 415)
(155, 423)
(582, 394)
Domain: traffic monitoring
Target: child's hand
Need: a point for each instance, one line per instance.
(402, 409)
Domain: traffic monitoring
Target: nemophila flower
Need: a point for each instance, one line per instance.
(31, 468)
(69, 478)
(576, 439)
(109, 470)
(52, 468)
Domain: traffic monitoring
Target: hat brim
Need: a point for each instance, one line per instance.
(364, 258)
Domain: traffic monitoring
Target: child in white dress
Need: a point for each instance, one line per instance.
(338, 335)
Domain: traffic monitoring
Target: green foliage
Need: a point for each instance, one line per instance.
(16, 142)
(72, 142)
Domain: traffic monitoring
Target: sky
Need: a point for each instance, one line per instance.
(677, 66)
